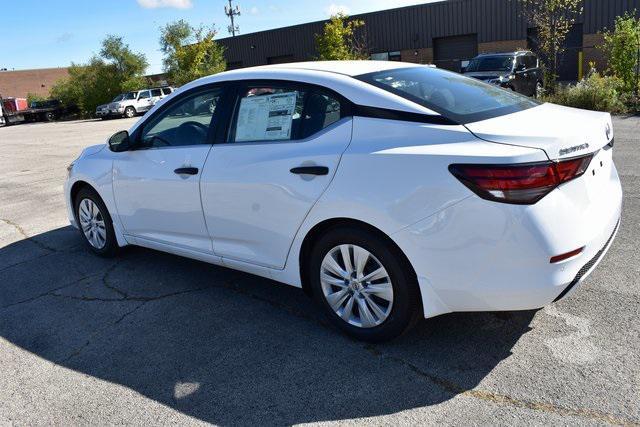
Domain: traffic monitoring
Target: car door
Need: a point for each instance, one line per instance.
(156, 95)
(282, 148)
(144, 101)
(156, 184)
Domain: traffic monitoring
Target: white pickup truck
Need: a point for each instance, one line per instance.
(132, 103)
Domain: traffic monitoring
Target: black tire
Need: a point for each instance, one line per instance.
(110, 247)
(129, 112)
(406, 307)
(49, 116)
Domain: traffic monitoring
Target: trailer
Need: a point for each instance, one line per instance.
(41, 111)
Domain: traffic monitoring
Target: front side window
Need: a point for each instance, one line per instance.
(454, 96)
(144, 95)
(281, 113)
(130, 95)
(185, 122)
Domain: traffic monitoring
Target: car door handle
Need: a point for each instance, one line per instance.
(186, 171)
(310, 170)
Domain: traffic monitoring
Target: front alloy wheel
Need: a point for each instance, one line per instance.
(92, 223)
(95, 223)
(356, 286)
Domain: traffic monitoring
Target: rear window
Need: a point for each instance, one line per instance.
(454, 96)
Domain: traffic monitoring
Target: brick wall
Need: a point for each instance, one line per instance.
(502, 46)
(20, 83)
(590, 43)
(418, 56)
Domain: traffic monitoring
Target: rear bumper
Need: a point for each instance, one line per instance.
(586, 269)
(485, 256)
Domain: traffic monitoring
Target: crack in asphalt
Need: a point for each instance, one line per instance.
(24, 234)
(488, 396)
(445, 384)
(50, 292)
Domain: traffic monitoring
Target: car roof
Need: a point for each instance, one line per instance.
(348, 68)
(334, 75)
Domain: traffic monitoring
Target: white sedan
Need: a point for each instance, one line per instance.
(388, 191)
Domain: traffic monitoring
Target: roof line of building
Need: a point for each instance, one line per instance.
(357, 16)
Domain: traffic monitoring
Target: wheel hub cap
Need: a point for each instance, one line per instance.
(356, 286)
(92, 223)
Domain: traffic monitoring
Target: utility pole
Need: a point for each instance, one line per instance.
(232, 12)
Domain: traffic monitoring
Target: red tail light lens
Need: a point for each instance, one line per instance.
(523, 183)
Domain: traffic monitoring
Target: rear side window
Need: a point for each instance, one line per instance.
(281, 113)
(454, 96)
(156, 92)
(166, 90)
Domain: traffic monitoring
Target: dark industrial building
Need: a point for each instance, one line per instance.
(444, 33)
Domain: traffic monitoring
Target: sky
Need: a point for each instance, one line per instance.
(55, 33)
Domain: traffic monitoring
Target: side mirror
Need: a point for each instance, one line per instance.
(120, 141)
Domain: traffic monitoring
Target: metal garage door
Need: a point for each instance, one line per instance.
(449, 52)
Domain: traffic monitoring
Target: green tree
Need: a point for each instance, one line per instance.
(117, 69)
(553, 20)
(190, 52)
(341, 39)
(33, 97)
(622, 46)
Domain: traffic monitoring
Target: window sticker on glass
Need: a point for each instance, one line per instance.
(266, 117)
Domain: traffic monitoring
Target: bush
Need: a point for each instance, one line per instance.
(621, 47)
(32, 97)
(595, 92)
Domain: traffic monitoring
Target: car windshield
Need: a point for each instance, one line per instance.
(118, 98)
(491, 63)
(454, 96)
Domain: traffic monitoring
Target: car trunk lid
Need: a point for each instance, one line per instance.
(562, 132)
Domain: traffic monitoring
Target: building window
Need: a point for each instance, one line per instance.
(386, 56)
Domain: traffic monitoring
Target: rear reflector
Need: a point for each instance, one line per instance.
(568, 255)
(521, 183)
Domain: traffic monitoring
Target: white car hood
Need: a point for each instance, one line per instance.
(561, 132)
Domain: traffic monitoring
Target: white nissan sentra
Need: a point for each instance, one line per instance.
(386, 190)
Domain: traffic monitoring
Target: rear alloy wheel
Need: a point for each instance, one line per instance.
(129, 112)
(356, 286)
(95, 223)
(363, 284)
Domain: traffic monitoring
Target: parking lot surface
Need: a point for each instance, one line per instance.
(154, 338)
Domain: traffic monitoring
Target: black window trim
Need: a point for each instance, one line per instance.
(219, 114)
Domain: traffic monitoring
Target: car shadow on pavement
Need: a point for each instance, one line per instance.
(227, 347)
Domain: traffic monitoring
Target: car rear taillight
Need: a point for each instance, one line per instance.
(522, 183)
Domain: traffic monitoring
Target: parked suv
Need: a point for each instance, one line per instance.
(131, 103)
(518, 71)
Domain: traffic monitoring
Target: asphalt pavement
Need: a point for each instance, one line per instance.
(152, 338)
